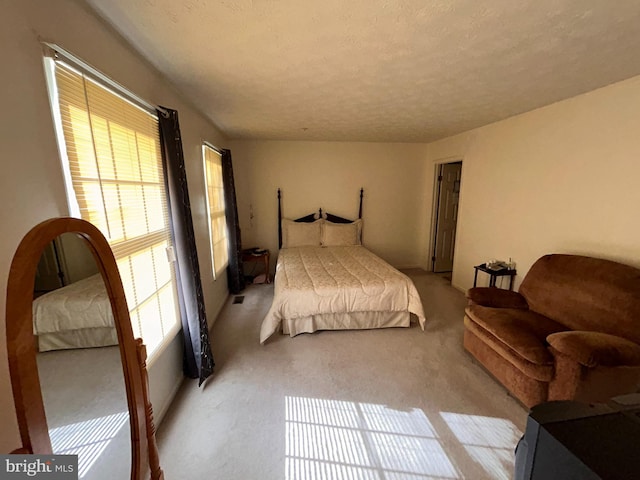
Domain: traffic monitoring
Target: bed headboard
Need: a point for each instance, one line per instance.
(312, 217)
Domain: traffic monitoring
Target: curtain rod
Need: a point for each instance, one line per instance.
(58, 53)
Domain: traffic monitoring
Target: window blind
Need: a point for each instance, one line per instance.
(215, 204)
(115, 165)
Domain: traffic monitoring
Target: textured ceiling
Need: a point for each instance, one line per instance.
(378, 70)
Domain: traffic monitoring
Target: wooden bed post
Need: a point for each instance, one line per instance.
(360, 210)
(279, 222)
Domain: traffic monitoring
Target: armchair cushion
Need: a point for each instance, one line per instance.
(593, 349)
(496, 297)
(523, 331)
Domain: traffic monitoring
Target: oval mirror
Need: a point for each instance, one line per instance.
(109, 351)
(79, 366)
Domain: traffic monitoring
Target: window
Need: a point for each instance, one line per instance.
(113, 166)
(215, 206)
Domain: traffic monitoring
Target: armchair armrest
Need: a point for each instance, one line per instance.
(496, 298)
(593, 349)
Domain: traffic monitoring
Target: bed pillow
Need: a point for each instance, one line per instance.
(339, 234)
(300, 234)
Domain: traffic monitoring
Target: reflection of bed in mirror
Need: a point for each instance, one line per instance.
(77, 315)
(71, 308)
(87, 414)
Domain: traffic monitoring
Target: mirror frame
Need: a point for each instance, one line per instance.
(21, 346)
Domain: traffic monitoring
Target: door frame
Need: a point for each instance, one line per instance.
(434, 206)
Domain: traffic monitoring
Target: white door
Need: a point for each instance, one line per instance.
(447, 216)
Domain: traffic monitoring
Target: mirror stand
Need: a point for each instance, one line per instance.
(21, 346)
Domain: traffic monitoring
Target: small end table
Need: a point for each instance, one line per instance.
(263, 256)
(494, 274)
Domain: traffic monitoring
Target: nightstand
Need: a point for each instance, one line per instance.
(494, 274)
(263, 257)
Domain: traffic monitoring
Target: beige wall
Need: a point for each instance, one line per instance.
(559, 179)
(31, 185)
(329, 175)
(563, 178)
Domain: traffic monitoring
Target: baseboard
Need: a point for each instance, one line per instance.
(159, 416)
(218, 310)
(407, 267)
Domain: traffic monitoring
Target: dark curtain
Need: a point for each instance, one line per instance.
(235, 274)
(198, 359)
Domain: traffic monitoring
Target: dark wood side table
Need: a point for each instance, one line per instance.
(250, 256)
(494, 274)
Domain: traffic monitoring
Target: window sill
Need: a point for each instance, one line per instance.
(168, 338)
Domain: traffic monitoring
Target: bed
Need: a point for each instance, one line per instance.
(326, 280)
(75, 316)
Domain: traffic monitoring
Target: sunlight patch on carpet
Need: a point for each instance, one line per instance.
(87, 439)
(332, 439)
(489, 441)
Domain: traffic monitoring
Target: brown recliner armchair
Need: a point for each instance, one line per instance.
(572, 331)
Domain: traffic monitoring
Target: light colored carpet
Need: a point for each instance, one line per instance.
(379, 404)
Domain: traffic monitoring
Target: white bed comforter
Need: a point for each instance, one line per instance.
(83, 304)
(335, 280)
